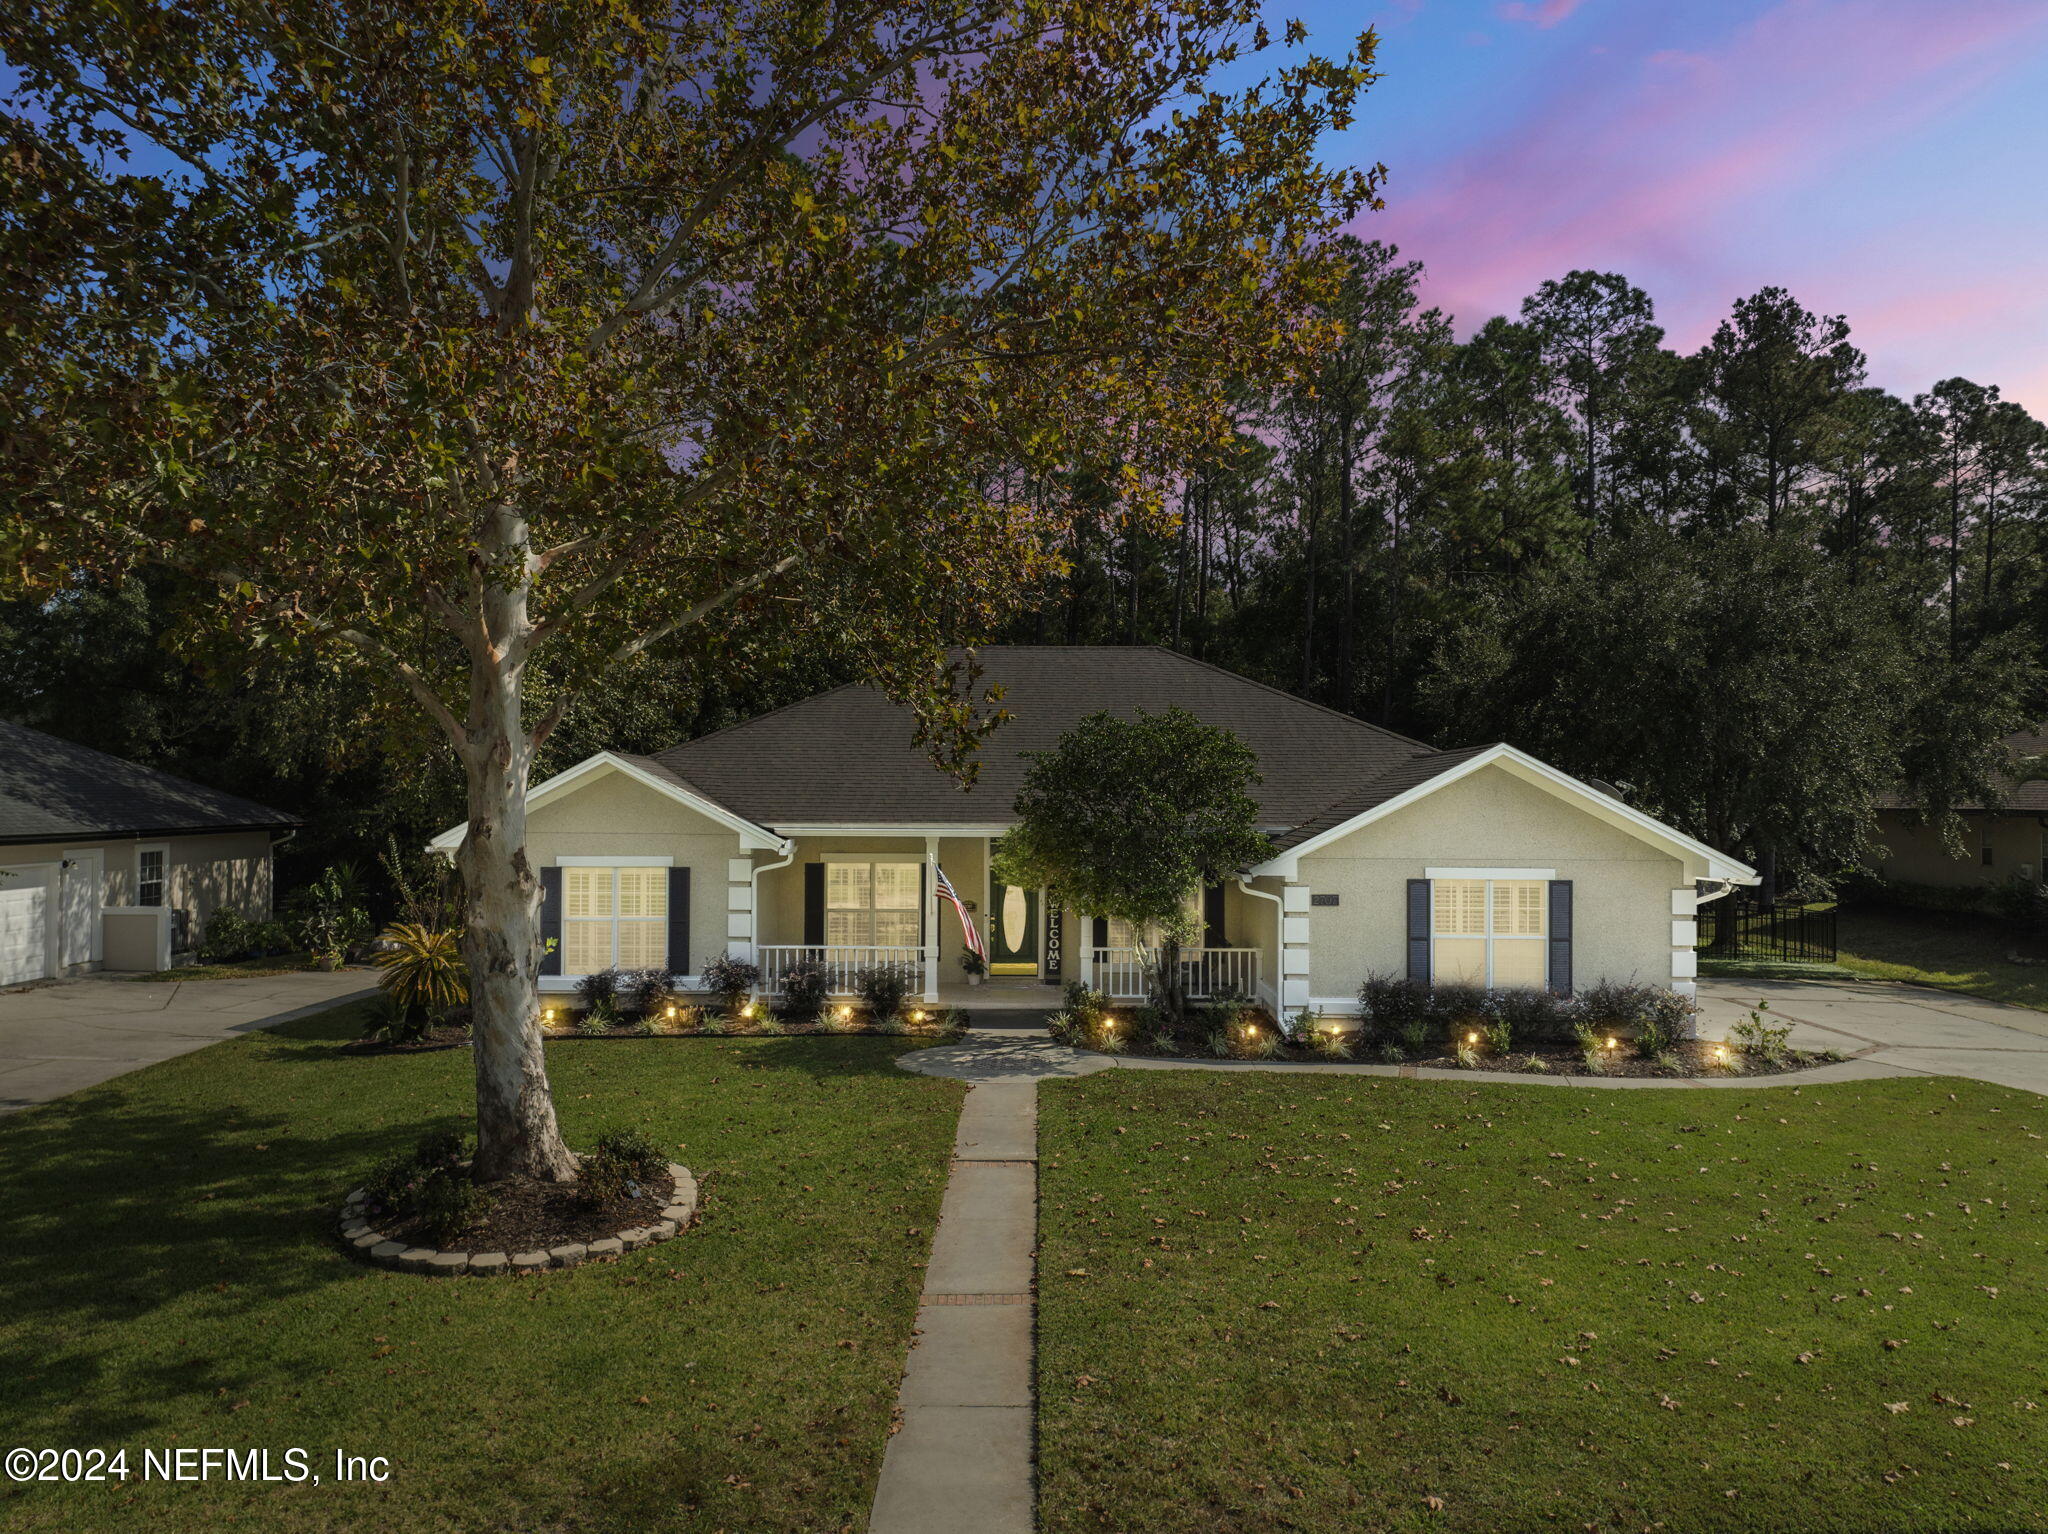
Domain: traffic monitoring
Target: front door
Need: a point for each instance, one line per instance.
(1012, 930)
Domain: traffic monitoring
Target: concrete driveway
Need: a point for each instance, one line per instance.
(1906, 1028)
(60, 1038)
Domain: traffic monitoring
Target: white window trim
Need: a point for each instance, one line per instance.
(144, 847)
(871, 861)
(1489, 937)
(615, 920)
(1490, 873)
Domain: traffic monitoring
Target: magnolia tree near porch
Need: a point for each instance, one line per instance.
(1130, 819)
(487, 345)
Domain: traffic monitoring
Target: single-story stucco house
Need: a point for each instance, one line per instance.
(2001, 845)
(813, 832)
(107, 864)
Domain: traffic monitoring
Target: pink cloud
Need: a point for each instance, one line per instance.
(1665, 167)
(1544, 13)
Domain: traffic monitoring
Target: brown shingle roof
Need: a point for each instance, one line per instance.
(57, 790)
(1396, 780)
(845, 757)
(2022, 799)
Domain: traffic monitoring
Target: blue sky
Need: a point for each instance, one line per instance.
(1882, 159)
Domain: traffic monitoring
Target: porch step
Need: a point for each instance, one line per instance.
(1008, 1020)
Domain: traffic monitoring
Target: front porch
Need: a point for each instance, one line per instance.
(856, 898)
(1121, 974)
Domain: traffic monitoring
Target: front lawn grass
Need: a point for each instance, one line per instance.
(1951, 950)
(1284, 1303)
(168, 1279)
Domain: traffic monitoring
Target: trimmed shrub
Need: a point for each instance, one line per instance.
(1388, 1006)
(228, 936)
(649, 992)
(447, 1204)
(883, 988)
(1651, 1017)
(600, 990)
(1458, 1009)
(804, 990)
(730, 980)
(1533, 1019)
(625, 1163)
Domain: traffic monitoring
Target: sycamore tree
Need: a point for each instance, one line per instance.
(1130, 818)
(477, 338)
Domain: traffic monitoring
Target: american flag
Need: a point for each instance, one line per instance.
(945, 889)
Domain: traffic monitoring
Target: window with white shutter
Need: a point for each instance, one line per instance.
(1489, 932)
(614, 916)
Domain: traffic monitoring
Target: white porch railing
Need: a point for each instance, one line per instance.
(1125, 974)
(841, 964)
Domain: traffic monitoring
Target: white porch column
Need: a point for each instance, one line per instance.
(1294, 940)
(931, 919)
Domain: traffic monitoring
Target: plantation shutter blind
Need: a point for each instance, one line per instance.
(551, 921)
(1561, 937)
(1418, 930)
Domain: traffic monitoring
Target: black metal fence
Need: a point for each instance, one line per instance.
(1737, 927)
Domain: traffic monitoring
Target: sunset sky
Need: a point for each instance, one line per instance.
(1882, 159)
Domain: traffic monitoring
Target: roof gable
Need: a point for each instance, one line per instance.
(643, 770)
(845, 757)
(1398, 789)
(58, 790)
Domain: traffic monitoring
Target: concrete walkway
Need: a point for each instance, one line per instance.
(962, 1459)
(60, 1038)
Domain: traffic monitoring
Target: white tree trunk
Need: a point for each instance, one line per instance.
(515, 1109)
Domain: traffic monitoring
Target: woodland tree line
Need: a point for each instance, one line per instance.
(1745, 586)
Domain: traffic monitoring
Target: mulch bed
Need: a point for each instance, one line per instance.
(1696, 1057)
(530, 1215)
(558, 1034)
(432, 1039)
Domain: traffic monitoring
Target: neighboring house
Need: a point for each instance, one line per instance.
(810, 833)
(108, 864)
(1999, 845)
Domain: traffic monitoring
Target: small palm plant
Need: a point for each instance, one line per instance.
(423, 969)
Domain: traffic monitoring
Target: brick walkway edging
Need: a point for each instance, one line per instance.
(374, 1246)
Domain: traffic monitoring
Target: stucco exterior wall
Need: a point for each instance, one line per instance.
(202, 874)
(1915, 855)
(206, 873)
(617, 816)
(1621, 886)
(965, 859)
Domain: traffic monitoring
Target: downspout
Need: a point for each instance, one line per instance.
(1279, 935)
(754, 901)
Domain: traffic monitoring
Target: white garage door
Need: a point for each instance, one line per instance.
(24, 931)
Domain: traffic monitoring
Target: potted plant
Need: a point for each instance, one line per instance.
(975, 966)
